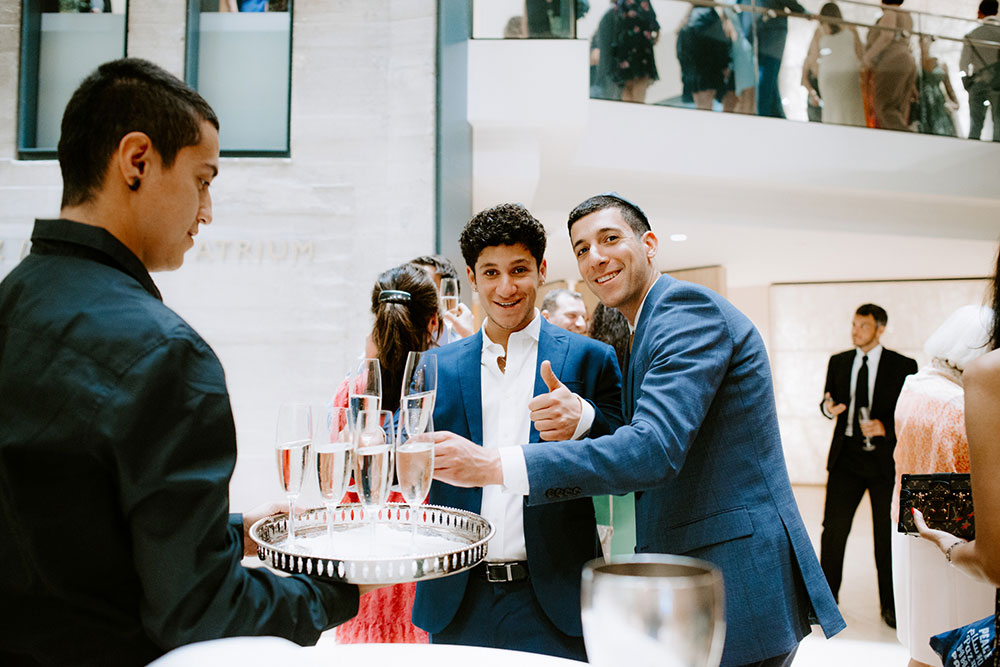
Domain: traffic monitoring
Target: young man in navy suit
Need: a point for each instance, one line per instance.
(865, 377)
(700, 446)
(519, 379)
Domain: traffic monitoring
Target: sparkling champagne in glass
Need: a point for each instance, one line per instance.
(292, 440)
(415, 466)
(365, 388)
(449, 298)
(334, 456)
(864, 418)
(417, 394)
(374, 442)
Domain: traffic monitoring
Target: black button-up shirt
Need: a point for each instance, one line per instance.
(117, 445)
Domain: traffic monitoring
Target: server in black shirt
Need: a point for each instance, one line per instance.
(117, 440)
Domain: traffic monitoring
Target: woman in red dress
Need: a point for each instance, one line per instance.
(406, 318)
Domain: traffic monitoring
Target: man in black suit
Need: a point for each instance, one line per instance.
(867, 379)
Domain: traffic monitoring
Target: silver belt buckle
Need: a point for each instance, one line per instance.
(490, 569)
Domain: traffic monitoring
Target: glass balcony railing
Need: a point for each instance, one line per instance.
(844, 62)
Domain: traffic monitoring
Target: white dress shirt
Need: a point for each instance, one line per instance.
(874, 355)
(507, 421)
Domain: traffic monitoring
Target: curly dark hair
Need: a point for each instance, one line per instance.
(505, 224)
(400, 324)
(630, 213)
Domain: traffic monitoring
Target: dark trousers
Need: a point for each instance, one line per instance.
(768, 95)
(507, 616)
(978, 96)
(855, 472)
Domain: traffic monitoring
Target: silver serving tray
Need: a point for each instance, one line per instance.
(447, 541)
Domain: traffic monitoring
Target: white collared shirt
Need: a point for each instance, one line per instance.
(506, 422)
(874, 355)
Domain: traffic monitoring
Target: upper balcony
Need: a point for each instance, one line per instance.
(548, 129)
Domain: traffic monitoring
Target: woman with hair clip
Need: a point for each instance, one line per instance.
(980, 558)
(405, 305)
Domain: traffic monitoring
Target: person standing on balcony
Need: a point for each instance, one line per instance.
(975, 57)
(770, 26)
(632, 48)
(893, 69)
(835, 56)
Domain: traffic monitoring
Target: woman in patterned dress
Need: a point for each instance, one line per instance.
(632, 48)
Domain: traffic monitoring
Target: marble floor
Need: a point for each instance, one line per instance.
(866, 640)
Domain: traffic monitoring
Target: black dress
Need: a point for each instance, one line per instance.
(703, 52)
(633, 43)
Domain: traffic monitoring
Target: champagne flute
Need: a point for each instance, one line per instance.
(374, 442)
(415, 465)
(864, 418)
(292, 439)
(334, 456)
(365, 388)
(416, 401)
(653, 610)
(449, 300)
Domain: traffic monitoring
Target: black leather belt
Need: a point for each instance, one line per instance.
(505, 572)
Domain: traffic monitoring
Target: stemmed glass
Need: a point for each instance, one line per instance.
(415, 462)
(334, 456)
(292, 440)
(449, 299)
(365, 388)
(864, 418)
(374, 442)
(416, 398)
(651, 610)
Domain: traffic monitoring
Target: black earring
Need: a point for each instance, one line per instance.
(135, 185)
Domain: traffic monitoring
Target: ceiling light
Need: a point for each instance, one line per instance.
(678, 237)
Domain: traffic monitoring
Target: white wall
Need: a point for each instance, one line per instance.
(279, 284)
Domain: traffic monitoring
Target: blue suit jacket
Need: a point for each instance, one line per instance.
(559, 538)
(701, 449)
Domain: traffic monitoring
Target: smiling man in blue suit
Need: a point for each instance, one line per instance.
(518, 379)
(700, 447)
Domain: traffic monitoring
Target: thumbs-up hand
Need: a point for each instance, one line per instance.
(556, 413)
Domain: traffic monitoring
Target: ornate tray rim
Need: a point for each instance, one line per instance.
(376, 570)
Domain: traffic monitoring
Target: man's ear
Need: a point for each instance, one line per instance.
(651, 244)
(542, 268)
(472, 277)
(131, 160)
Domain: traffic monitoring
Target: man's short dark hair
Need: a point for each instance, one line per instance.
(551, 301)
(122, 96)
(506, 224)
(988, 7)
(877, 312)
(630, 213)
(441, 265)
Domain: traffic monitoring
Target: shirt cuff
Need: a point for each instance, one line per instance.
(515, 470)
(822, 408)
(586, 419)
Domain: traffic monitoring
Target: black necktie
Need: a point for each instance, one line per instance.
(860, 394)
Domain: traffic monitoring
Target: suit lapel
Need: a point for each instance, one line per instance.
(880, 379)
(634, 373)
(471, 386)
(553, 344)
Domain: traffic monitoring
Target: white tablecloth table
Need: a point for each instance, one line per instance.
(276, 651)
